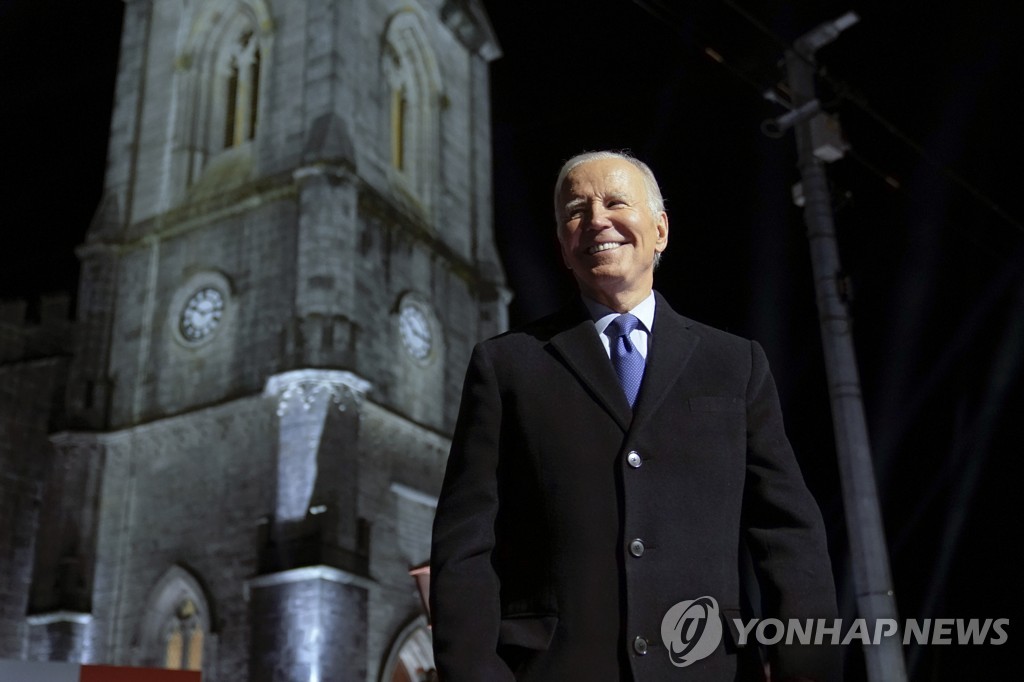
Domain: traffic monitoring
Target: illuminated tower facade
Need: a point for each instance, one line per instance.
(279, 293)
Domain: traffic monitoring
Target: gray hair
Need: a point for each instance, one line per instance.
(655, 200)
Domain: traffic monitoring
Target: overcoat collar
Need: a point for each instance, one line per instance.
(671, 344)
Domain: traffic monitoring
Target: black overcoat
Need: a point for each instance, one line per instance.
(535, 570)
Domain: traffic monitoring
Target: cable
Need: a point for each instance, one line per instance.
(843, 92)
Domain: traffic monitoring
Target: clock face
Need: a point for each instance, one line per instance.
(201, 314)
(415, 329)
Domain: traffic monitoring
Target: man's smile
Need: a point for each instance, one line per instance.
(606, 246)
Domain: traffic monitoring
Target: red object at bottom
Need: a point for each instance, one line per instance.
(110, 673)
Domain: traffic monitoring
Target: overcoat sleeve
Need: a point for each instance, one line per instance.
(785, 533)
(464, 587)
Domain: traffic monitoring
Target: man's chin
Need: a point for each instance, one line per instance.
(599, 278)
(610, 280)
(599, 285)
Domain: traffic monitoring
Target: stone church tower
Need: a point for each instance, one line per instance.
(279, 294)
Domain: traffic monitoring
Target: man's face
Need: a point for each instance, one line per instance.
(607, 232)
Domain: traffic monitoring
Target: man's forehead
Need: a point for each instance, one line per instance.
(604, 175)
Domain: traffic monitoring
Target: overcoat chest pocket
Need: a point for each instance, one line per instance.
(716, 403)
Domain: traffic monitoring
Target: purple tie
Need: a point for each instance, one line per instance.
(626, 359)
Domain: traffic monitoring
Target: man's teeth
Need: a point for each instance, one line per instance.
(603, 247)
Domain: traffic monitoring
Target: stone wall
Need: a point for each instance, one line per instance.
(34, 357)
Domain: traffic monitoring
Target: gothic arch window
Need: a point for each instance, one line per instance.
(176, 624)
(411, 658)
(414, 95)
(223, 61)
(228, 117)
(238, 76)
(183, 637)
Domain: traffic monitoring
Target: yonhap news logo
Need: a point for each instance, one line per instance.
(691, 630)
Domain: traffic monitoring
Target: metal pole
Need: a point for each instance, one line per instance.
(871, 576)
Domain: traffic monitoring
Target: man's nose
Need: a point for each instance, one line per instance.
(598, 217)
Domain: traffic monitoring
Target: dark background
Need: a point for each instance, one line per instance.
(927, 205)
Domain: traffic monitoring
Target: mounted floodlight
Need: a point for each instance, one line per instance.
(775, 127)
(823, 34)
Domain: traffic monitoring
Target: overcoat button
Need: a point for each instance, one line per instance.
(634, 460)
(636, 547)
(640, 646)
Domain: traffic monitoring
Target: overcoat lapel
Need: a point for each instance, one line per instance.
(671, 345)
(582, 351)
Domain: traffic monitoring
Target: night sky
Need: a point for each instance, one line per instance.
(927, 204)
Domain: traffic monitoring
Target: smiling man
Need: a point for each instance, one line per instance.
(612, 228)
(611, 462)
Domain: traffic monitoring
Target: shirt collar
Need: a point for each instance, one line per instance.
(603, 315)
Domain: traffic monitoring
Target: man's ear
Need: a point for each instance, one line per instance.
(561, 248)
(565, 258)
(662, 226)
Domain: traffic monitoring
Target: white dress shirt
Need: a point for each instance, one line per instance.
(603, 316)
